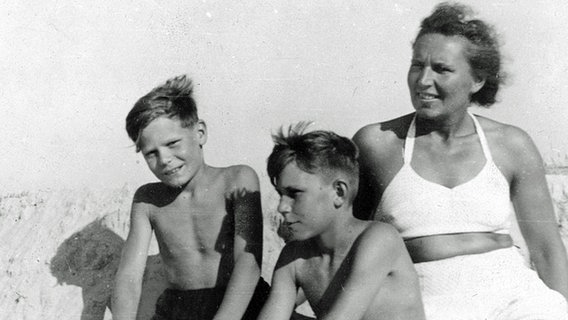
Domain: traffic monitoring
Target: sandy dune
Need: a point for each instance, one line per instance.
(60, 250)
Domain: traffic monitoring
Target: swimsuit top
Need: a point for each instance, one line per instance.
(418, 207)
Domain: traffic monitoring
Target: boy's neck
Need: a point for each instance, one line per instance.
(337, 239)
(197, 179)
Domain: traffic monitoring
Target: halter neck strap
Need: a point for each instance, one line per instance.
(482, 138)
(409, 142)
(411, 137)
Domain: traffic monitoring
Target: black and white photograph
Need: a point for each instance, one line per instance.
(281, 160)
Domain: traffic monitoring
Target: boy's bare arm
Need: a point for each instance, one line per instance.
(128, 281)
(247, 244)
(373, 256)
(282, 298)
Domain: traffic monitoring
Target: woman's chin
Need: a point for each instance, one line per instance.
(427, 112)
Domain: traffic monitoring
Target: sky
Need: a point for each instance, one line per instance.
(71, 71)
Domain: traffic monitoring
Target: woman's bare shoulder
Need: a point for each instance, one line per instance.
(383, 135)
(507, 136)
(512, 149)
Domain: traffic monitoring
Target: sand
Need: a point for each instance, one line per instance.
(60, 250)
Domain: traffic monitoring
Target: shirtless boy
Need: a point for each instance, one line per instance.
(347, 268)
(207, 220)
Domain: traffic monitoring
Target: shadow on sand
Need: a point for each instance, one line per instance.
(89, 259)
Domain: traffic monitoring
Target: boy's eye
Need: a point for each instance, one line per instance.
(149, 154)
(173, 143)
(294, 194)
(416, 65)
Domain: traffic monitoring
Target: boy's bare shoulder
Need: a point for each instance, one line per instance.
(294, 252)
(157, 194)
(240, 177)
(380, 232)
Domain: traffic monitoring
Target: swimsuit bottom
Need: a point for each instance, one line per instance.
(496, 285)
(202, 304)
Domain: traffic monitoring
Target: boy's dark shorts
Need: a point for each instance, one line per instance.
(202, 304)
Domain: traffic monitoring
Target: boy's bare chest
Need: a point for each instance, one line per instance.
(189, 224)
(316, 277)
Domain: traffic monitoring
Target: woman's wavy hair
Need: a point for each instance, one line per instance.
(483, 54)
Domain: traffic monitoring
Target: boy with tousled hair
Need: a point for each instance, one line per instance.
(207, 220)
(347, 268)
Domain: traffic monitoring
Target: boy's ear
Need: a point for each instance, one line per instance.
(341, 188)
(201, 128)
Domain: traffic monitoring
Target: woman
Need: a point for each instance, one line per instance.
(450, 182)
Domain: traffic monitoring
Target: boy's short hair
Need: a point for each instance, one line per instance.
(173, 99)
(319, 151)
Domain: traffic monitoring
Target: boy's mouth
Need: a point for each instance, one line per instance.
(172, 171)
(288, 223)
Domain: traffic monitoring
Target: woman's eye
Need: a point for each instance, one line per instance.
(442, 69)
(173, 143)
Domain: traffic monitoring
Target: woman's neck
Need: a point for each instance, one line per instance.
(449, 127)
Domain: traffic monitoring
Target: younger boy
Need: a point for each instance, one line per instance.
(207, 220)
(347, 268)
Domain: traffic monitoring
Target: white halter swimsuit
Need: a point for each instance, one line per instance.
(496, 285)
(418, 207)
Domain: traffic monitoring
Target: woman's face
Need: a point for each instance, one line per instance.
(440, 78)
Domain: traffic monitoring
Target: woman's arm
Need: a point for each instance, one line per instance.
(535, 214)
(443, 246)
(368, 194)
(380, 158)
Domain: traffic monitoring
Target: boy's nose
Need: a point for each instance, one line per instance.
(283, 207)
(165, 158)
(425, 78)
